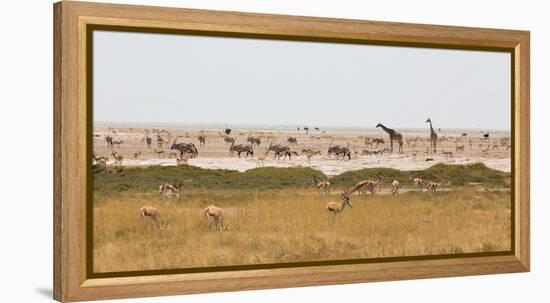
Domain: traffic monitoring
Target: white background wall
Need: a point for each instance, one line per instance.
(26, 168)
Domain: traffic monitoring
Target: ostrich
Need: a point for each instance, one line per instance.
(215, 212)
(335, 208)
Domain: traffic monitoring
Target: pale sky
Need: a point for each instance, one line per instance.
(147, 78)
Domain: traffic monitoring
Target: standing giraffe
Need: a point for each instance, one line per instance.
(433, 136)
(394, 136)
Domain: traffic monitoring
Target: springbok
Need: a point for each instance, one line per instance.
(363, 185)
(447, 154)
(395, 188)
(321, 186)
(215, 212)
(432, 186)
(152, 213)
(182, 160)
(261, 158)
(117, 143)
(335, 208)
(101, 161)
(137, 154)
(419, 182)
(160, 153)
(167, 190)
(118, 158)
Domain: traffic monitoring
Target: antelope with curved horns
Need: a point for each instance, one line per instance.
(152, 213)
(338, 151)
(184, 148)
(216, 213)
(279, 149)
(239, 148)
(335, 208)
(321, 186)
(118, 158)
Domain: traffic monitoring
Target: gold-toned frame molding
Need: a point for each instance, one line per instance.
(71, 157)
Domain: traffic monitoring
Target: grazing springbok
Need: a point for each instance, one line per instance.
(152, 213)
(418, 182)
(432, 186)
(334, 208)
(118, 158)
(322, 186)
(216, 213)
(363, 185)
(167, 190)
(202, 140)
(395, 187)
(459, 148)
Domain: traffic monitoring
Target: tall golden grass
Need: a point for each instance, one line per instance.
(290, 225)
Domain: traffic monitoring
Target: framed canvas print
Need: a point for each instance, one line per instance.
(199, 151)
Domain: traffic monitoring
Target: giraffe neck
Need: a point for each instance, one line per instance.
(388, 130)
(431, 128)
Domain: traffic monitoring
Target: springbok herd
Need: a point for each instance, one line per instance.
(168, 190)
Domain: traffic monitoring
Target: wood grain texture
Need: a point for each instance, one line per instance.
(70, 150)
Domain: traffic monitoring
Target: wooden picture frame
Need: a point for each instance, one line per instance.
(72, 23)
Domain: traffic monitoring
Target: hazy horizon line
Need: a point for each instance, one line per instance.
(277, 125)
